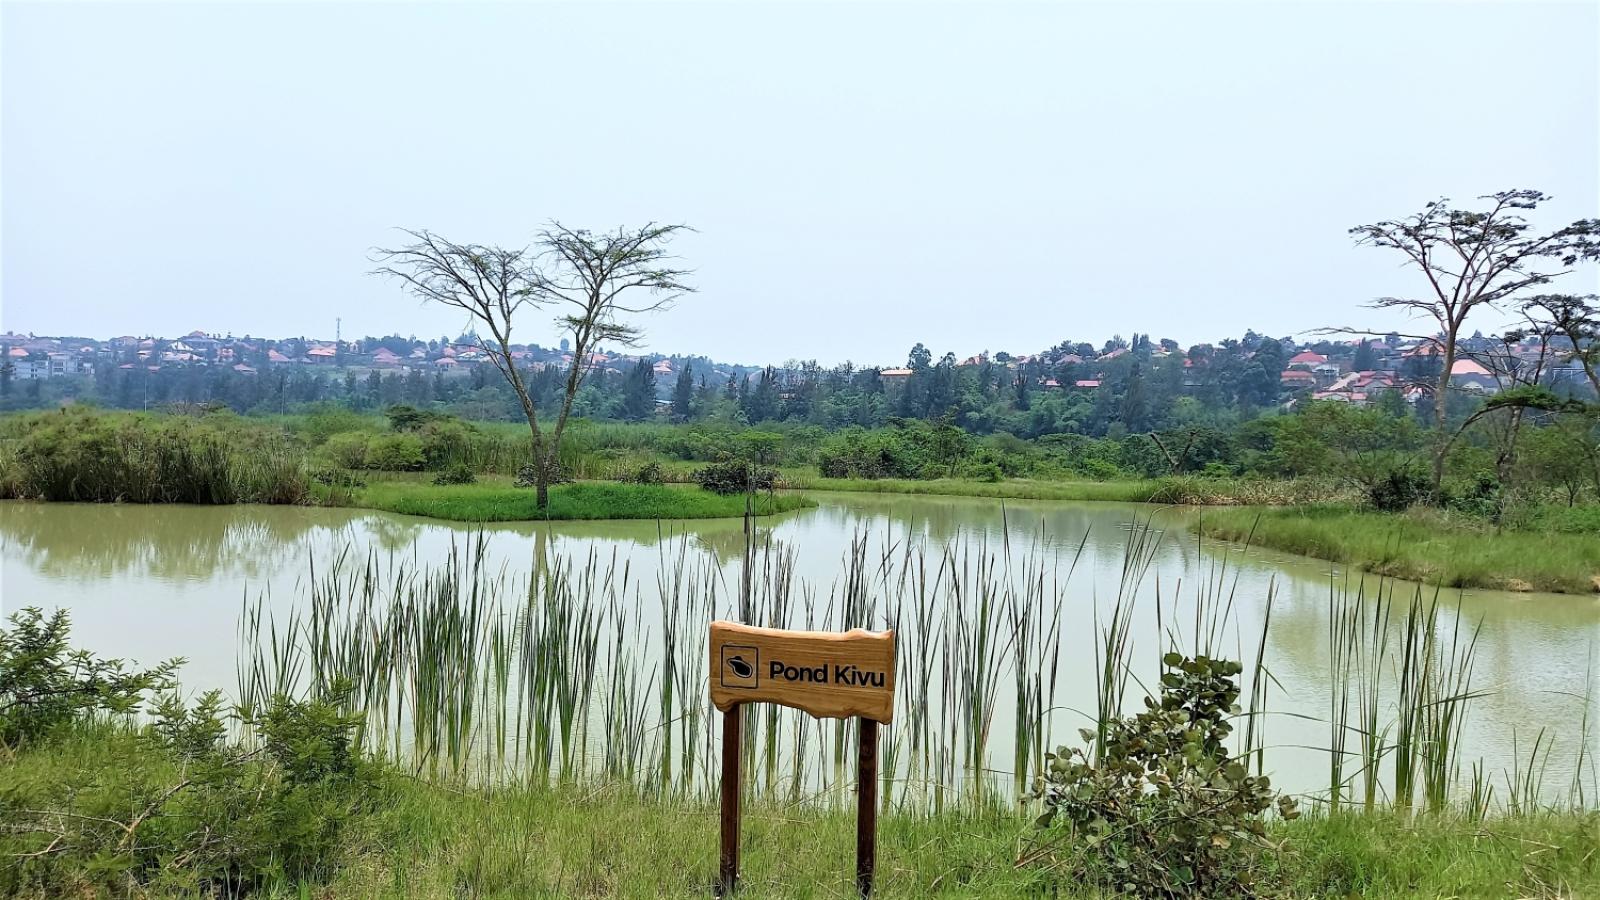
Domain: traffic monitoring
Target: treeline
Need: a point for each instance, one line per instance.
(1147, 387)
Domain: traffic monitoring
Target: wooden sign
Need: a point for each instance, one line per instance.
(827, 674)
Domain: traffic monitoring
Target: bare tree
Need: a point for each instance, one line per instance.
(1470, 260)
(594, 281)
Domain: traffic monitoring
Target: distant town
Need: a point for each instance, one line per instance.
(1354, 370)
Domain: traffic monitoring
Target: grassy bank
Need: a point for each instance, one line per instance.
(1011, 489)
(611, 843)
(1176, 490)
(438, 840)
(500, 501)
(1424, 546)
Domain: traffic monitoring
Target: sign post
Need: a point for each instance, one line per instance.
(827, 674)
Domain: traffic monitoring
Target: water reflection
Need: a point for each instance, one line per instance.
(150, 582)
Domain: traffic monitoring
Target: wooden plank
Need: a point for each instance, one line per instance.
(867, 806)
(827, 674)
(728, 875)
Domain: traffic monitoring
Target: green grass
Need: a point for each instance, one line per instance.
(1421, 546)
(611, 843)
(440, 840)
(500, 501)
(1011, 488)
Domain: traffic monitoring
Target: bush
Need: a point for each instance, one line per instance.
(44, 685)
(1158, 807)
(528, 475)
(986, 471)
(1398, 490)
(338, 478)
(179, 809)
(735, 478)
(649, 473)
(395, 453)
(347, 450)
(457, 474)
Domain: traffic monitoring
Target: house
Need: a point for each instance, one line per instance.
(1357, 388)
(1307, 360)
(662, 367)
(274, 356)
(894, 376)
(384, 357)
(1297, 379)
(322, 354)
(1467, 375)
(1087, 383)
(446, 363)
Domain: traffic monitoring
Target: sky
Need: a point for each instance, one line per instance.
(861, 177)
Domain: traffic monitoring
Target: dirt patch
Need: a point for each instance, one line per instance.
(1517, 584)
(1596, 582)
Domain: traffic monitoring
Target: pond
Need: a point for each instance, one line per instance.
(153, 582)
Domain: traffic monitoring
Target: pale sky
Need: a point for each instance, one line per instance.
(862, 177)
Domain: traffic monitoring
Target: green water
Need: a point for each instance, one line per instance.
(161, 581)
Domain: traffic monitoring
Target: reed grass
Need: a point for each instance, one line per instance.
(578, 673)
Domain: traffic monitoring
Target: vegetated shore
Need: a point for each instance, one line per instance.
(1553, 552)
(499, 500)
(441, 840)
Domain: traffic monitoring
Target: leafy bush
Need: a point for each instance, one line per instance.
(180, 809)
(1398, 489)
(457, 474)
(43, 684)
(1480, 496)
(649, 473)
(986, 471)
(1157, 805)
(338, 478)
(347, 450)
(395, 453)
(528, 475)
(736, 478)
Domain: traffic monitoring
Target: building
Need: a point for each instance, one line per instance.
(1467, 375)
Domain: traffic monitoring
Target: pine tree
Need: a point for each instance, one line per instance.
(683, 395)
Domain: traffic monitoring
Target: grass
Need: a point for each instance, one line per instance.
(443, 840)
(527, 842)
(1421, 546)
(500, 501)
(1011, 489)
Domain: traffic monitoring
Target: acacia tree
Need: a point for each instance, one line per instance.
(593, 280)
(1576, 318)
(1470, 260)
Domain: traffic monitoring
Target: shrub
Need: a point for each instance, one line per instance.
(395, 453)
(1481, 496)
(528, 475)
(338, 478)
(649, 473)
(1157, 807)
(985, 471)
(347, 450)
(44, 685)
(456, 474)
(1398, 489)
(736, 478)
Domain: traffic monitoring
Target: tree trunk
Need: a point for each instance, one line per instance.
(1440, 393)
(542, 492)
